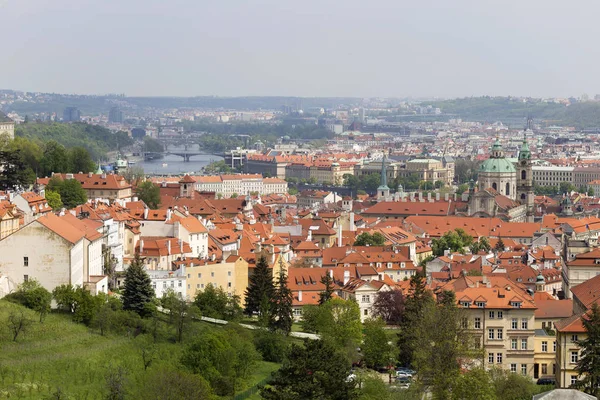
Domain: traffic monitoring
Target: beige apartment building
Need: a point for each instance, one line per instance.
(500, 317)
(7, 126)
(552, 175)
(568, 332)
(331, 173)
(430, 170)
(230, 274)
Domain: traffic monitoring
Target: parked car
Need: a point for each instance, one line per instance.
(549, 380)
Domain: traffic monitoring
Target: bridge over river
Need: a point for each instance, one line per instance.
(185, 154)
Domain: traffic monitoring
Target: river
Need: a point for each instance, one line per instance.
(175, 165)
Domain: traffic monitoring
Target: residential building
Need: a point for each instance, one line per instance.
(230, 274)
(10, 218)
(55, 251)
(568, 332)
(160, 252)
(7, 126)
(165, 280)
(552, 175)
(99, 186)
(32, 204)
(115, 115)
(430, 170)
(311, 198)
(71, 114)
(584, 267)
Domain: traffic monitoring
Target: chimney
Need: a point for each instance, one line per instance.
(339, 235)
(272, 255)
(141, 246)
(346, 277)
(331, 273)
(446, 196)
(352, 226)
(134, 198)
(420, 196)
(169, 246)
(437, 196)
(168, 214)
(455, 196)
(90, 174)
(429, 197)
(412, 196)
(145, 213)
(103, 176)
(300, 296)
(309, 236)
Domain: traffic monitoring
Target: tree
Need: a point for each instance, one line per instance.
(80, 160)
(455, 240)
(590, 191)
(53, 199)
(149, 193)
(116, 384)
(326, 294)
(234, 196)
(64, 295)
(588, 365)
(72, 193)
(366, 239)
(482, 245)
(417, 305)
(260, 288)
(138, 290)
(313, 371)
(474, 384)
(282, 304)
(340, 324)
(180, 313)
(462, 188)
(18, 323)
(566, 188)
(55, 159)
(152, 145)
(216, 303)
(389, 306)
(170, 383)
(511, 386)
(499, 245)
(134, 174)
(272, 346)
(376, 349)
(33, 296)
(110, 267)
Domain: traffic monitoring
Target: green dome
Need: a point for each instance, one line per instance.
(525, 153)
(497, 165)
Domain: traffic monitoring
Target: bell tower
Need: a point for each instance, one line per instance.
(525, 179)
(383, 191)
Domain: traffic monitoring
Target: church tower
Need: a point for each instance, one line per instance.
(383, 191)
(525, 179)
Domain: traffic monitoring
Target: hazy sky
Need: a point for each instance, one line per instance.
(400, 48)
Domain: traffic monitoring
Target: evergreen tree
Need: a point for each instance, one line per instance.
(588, 366)
(138, 287)
(499, 245)
(260, 288)
(283, 317)
(313, 371)
(326, 294)
(416, 306)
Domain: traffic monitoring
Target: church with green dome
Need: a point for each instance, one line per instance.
(504, 189)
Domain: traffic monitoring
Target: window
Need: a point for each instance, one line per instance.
(366, 311)
(491, 358)
(499, 334)
(26, 261)
(524, 369)
(499, 315)
(25, 278)
(464, 323)
(499, 358)
(480, 304)
(513, 368)
(212, 274)
(574, 357)
(574, 338)
(490, 334)
(554, 346)
(180, 283)
(573, 379)
(189, 286)
(513, 344)
(477, 323)
(545, 347)
(197, 286)
(491, 315)
(228, 284)
(189, 276)
(523, 344)
(199, 275)
(366, 298)
(524, 323)
(465, 304)
(544, 369)
(228, 273)
(514, 323)
(516, 304)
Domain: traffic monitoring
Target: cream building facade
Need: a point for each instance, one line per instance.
(230, 274)
(7, 126)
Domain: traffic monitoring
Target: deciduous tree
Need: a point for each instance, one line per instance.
(149, 193)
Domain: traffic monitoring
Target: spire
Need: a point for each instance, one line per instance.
(524, 153)
(383, 184)
(99, 170)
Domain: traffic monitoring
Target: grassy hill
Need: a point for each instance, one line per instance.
(62, 354)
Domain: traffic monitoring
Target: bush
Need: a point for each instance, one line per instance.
(272, 346)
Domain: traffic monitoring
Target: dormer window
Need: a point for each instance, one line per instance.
(389, 265)
(515, 304)
(465, 304)
(402, 265)
(480, 304)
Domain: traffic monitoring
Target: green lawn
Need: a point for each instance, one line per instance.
(61, 354)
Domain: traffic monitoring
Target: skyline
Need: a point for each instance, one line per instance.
(337, 49)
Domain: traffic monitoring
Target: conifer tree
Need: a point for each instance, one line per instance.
(282, 304)
(588, 366)
(260, 289)
(326, 294)
(138, 291)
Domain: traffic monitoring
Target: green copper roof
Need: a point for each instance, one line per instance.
(497, 165)
(524, 153)
(497, 145)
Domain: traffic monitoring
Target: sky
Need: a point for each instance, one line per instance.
(374, 48)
